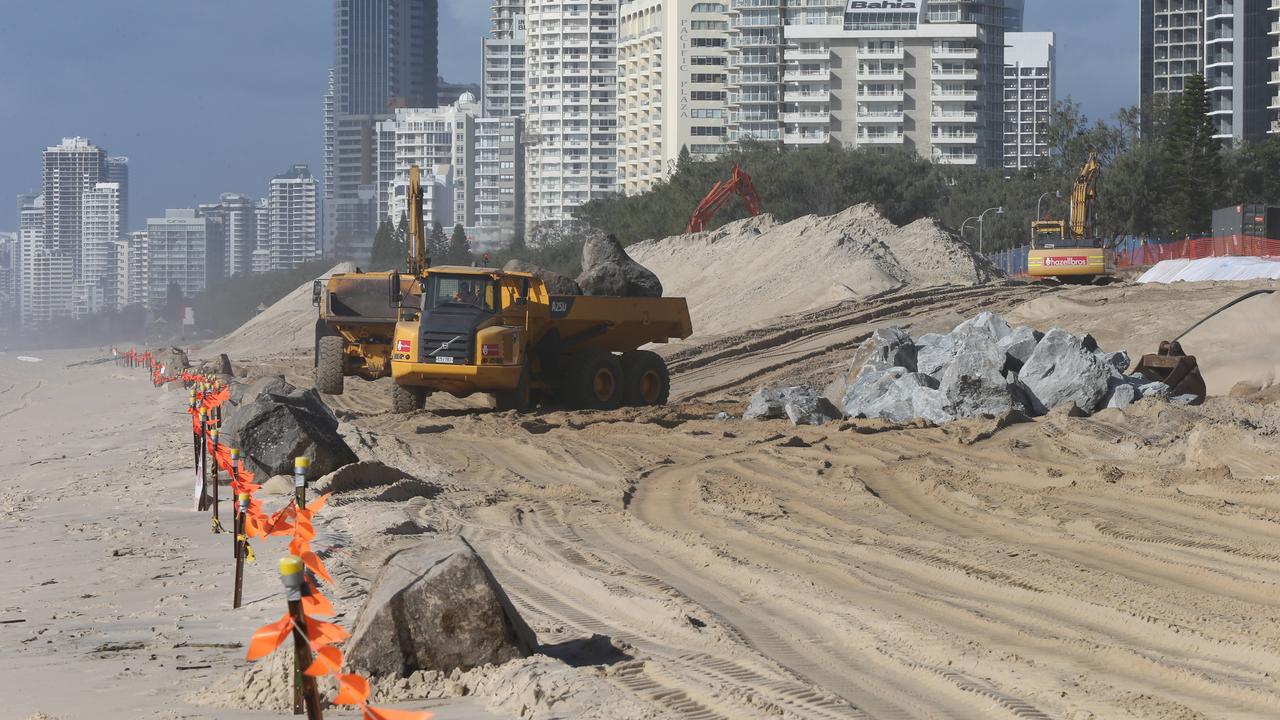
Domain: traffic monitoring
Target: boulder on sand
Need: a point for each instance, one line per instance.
(896, 394)
(608, 270)
(800, 404)
(274, 429)
(1063, 369)
(242, 393)
(974, 383)
(556, 283)
(436, 607)
(173, 359)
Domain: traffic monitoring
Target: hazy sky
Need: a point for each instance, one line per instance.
(213, 97)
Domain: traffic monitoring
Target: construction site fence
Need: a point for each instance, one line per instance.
(1137, 252)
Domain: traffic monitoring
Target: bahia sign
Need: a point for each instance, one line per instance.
(883, 6)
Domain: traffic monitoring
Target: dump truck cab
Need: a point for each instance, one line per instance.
(483, 330)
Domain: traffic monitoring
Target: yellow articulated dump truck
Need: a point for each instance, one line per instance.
(482, 330)
(1072, 251)
(355, 324)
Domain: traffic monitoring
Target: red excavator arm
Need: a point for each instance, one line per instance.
(740, 183)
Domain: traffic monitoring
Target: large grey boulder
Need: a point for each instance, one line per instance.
(800, 404)
(242, 393)
(974, 383)
(1018, 346)
(556, 283)
(930, 404)
(274, 429)
(1116, 362)
(1063, 370)
(890, 394)
(608, 270)
(887, 348)
(173, 359)
(1121, 396)
(986, 323)
(436, 607)
(933, 353)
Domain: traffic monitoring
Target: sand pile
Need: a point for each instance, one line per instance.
(286, 329)
(746, 273)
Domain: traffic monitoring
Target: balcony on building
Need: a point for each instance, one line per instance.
(805, 137)
(885, 136)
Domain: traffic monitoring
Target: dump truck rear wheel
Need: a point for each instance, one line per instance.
(519, 399)
(406, 399)
(594, 381)
(645, 379)
(329, 357)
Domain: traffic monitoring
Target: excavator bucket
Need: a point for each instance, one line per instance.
(1174, 368)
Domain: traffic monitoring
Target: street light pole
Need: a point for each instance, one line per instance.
(981, 221)
(965, 224)
(1055, 193)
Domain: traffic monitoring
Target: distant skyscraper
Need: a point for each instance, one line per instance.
(1237, 69)
(116, 171)
(101, 229)
(295, 218)
(177, 252)
(499, 180)
(1029, 94)
(503, 52)
(442, 143)
(1275, 68)
(385, 56)
(1013, 14)
(135, 289)
(70, 169)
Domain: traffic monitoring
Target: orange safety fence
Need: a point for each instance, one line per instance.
(292, 521)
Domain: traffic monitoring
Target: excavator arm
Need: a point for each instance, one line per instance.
(1082, 198)
(740, 183)
(416, 245)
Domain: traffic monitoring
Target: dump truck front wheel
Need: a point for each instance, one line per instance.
(594, 381)
(645, 379)
(518, 399)
(406, 399)
(329, 359)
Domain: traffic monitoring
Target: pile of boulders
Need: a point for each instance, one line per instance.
(984, 367)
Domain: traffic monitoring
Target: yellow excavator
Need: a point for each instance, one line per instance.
(1072, 251)
(356, 323)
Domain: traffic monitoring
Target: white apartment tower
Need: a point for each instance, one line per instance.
(503, 90)
(754, 67)
(1029, 94)
(100, 229)
(923, 76)
(672, 61)
(177, 252)
(136, 289)
(571, 126)
(442, 143)
(70, 169)
(294, 202)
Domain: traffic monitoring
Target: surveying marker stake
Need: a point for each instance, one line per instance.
(300, 466)
(306, 696)
(202, 497)
(215, 521)
(239, 540)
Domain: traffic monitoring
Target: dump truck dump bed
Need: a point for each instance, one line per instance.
(619, 324)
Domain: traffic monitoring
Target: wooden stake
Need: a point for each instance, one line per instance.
(239, 541)
(306, 695)
(300, 467)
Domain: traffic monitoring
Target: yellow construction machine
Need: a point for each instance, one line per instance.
(356, 324)
(1072, 251)
(483, 330)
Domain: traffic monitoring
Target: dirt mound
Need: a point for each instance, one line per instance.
(746, 273)
(286, 329)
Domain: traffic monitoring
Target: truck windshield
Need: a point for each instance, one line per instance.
(460, 290)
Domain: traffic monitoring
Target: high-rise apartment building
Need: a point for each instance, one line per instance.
(385, 56)
(1172, 47)
(503, 52)
(1275, 67)
(261, 256)
(101, 228)
(10, 282)
(70, 169)
(1029, 95)
(671, 77)
(295, 218)
(178, 252)
(236, 220)
(1236, 68)
(47, 279)
(499, 180)
(135, 288)
(923, 76)
(116, 170)
(571, 124)
(442, 143)
(754, 69)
